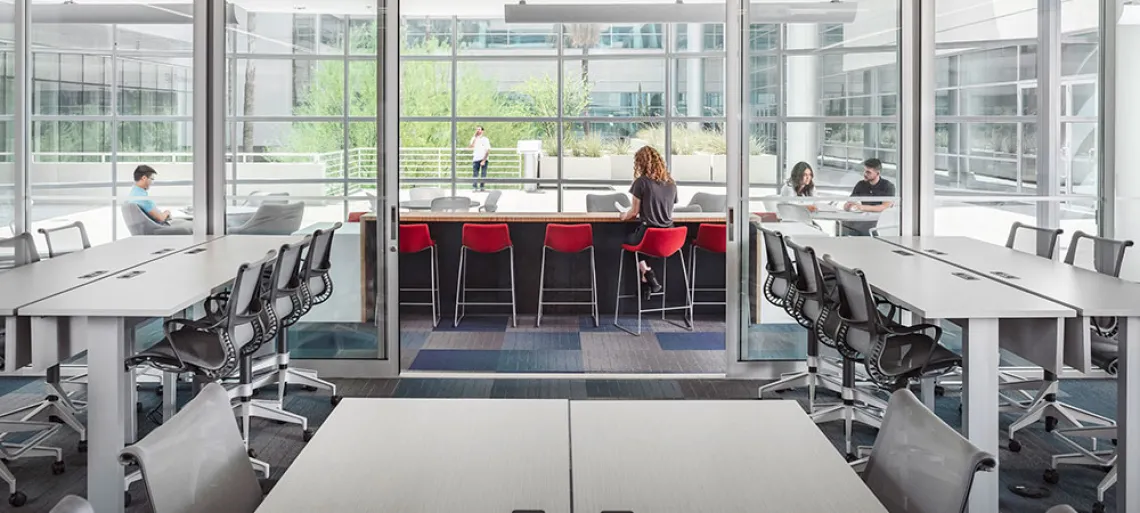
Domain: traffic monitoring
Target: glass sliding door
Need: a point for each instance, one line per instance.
(818, 154)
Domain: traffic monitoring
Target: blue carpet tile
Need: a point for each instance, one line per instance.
(477, 323)
(695, 341)
(543, 341)
(471, 360)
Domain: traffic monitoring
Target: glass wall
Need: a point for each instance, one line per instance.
(822, 101)
(565, 106)
(988, 171)
(107, 97)
(7, 120)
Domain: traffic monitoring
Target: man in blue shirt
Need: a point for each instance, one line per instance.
(144, 178)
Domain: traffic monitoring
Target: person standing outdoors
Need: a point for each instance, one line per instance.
(480, 150)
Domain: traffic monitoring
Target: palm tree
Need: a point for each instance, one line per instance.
(584, 36)
(250, 81)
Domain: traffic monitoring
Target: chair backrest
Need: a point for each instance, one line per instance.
(809, 283)
(687, 208)
(605, 202)
(1033, 240)
(781, 274)
(919, 464)
(492, 203)
(285, 295)
(196, 462)
(317, 264)
(18, 250)
(451, 204)
(1100, 254)
(856, 308)
(65, 239)
(710, 202)
(794, 212)
(73, 504)
(273, 219)
(426, 193)
(246, 307)
(137, 221)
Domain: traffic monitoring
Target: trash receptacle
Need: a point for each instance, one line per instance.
(529, 152)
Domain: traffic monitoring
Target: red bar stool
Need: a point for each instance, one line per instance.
(487, 239)
(416, 238)
(711, 238)
(657, 243)
(570, 239)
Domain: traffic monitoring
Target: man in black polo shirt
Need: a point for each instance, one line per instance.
(873, 184)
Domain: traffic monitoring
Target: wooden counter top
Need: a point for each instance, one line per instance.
(541, 217)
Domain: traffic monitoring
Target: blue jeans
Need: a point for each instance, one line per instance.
(478, 168)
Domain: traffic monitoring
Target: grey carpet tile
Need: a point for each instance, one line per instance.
(615, 342)
(488, 340)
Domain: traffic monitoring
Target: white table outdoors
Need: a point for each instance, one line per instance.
(30, 283)
(708, 456)
(832, 213)
(433, 455)
(157, 289)
(990, 313)
(425, 204)
(1091, 294)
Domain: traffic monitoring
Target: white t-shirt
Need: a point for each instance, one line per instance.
(481, 148)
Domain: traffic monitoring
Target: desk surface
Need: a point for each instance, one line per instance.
(163, 287)
(708, 456)
(540, 217)
(30, 283)
(1089, 292)
(929, 287)
(432, 455)
(838, 214)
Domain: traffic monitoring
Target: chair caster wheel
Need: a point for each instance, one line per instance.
(1098, 507)
(127, 499)
(57, 468)
(55, 419)
(851, 457)
(81, 446)
(308, 388)
(252, 453)
(1050, 424)
(1014, 446)
(335, 400)
(1052, 476)
(17, 499)
(307, 435)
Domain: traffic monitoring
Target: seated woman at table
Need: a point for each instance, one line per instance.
(801, 183)
(654, 194)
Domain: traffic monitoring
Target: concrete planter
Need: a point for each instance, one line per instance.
(621, 167)
(761, 169)
(575, 168)
(692, 168)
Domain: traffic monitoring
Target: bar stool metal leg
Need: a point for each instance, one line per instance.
(435, 306)
(514, 313)
(637, 289)
(460, 295)
(593, 286)
(688, 293)
(617, 299)
(693, 284)
(664, 284)
(541, 287)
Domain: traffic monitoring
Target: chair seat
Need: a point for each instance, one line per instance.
(197, 348)
(904, 355)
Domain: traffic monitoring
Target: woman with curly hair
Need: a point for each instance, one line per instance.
(654, 194)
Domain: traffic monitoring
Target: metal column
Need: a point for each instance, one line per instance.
(916, 125)
(209, 117)
(22, 122)
(1049, 109)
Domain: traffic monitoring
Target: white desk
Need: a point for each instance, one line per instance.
(935, 290)
(708, 457)
(161, 288)
(30, 283)
(838, 214)
(1091, 294)
(432, 455)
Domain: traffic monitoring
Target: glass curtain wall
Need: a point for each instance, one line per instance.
(580, 98)
(821, 101)
(7, 120)
(989, 171)
(107, 97)
(302, 150)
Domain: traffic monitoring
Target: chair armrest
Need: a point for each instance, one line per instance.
(169, 326)
(907, 330)
(859, 465)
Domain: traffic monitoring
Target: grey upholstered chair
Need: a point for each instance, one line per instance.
(1033, 240)
(18, 250)
(65, 239)
(919, 464)
(451, 204)
(73, 504)
(196, 462)
(492, 203)
(605, 202)
(139, 223)
(710, 202)
(687, 208)
(273, 219)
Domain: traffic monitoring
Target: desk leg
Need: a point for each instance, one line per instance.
(980, 409)
(106, 418)
(1128, 416)
(130, 426)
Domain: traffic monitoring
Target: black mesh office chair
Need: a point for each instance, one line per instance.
(778, 288)
(892, 354)
(919, 464)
